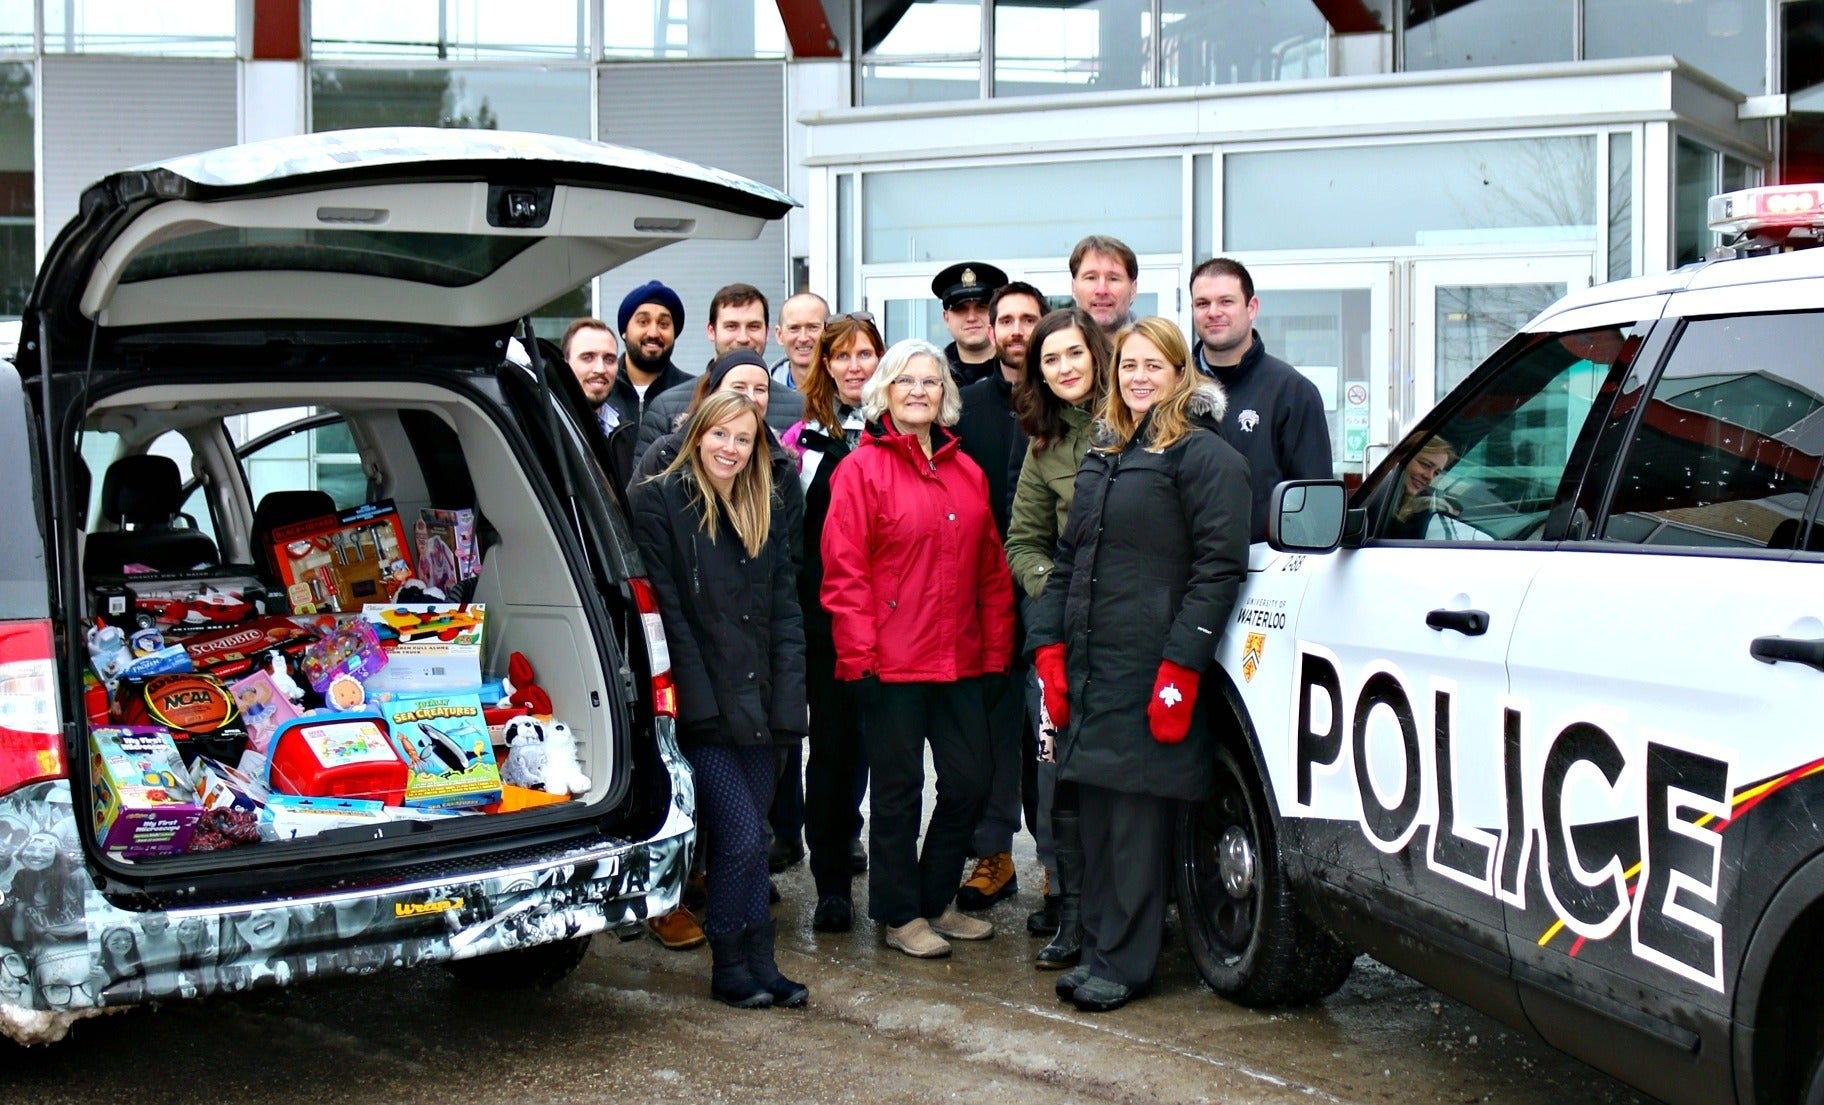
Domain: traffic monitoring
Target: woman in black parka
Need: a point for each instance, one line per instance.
(719, 559)
(1152, 554)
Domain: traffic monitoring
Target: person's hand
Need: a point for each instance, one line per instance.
(1168, 713)
(1048, 661)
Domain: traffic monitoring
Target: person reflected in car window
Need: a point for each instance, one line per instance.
(1419, 501)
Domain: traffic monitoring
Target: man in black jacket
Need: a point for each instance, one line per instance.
(650, 317)
(1275, 416)
(993, 439)
(964, 289)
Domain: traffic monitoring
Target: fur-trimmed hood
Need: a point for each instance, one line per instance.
(1207, 406)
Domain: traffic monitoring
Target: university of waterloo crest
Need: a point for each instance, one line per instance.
(1250, 655)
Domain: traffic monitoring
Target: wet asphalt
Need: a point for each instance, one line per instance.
(635, 1024)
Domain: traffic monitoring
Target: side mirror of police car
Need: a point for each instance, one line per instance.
(1307, 515)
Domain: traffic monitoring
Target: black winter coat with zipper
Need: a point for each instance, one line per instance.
(1152, 555)
(732, 621)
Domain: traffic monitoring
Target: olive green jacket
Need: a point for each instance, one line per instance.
(1041, 502)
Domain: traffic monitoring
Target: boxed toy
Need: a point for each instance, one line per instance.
(351, 649)
(289, 816)
(144, 804)
(444, 741)
(220, 787)
(182, 601)
(230, 652)
(263, 708)
(431, 648)
(338, 562)
(337, 756)
(447, 553)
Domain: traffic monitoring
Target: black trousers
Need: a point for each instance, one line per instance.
(1127, 851)
(897, 720)
(787, 814)
(831, 800)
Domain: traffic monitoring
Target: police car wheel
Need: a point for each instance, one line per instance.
(536, 967)
(1242, 927)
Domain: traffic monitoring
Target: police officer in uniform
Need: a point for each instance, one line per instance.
(964, 289)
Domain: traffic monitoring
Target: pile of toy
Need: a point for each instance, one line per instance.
(246, 725)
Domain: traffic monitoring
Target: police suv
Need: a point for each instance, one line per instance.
(1527, 718)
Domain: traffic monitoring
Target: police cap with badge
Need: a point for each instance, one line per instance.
(966, 281)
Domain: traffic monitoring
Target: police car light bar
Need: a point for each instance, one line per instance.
(1777, 207)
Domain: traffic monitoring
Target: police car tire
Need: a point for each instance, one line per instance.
(530, 968)
(1261, 950)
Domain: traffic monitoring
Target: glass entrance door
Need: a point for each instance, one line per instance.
(1332, 322)
(1463, 310)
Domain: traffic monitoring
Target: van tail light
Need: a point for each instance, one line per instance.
(658, 653)
(31, 740)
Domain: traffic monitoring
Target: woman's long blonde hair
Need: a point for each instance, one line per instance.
(1170, 414)
(749, 503)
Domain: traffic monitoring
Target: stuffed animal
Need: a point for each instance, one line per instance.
(542, 756)
(563, 764)
(281, 677)
(108, 652)
(520, 687)
(525, 762)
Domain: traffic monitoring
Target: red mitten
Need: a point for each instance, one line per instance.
(1048, 661)
(1168, 714)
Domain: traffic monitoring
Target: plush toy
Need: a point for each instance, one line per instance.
(521, 687)
(281, 677)
(109, 652)
(542, 756)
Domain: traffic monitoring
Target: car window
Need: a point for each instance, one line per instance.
(1726, 449)
(301, 454)
(101, 448)
(1492, 469)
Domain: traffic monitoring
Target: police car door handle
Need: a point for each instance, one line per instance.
(1470, 623)
(1799, 650)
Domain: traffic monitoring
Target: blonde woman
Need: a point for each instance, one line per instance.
(719, 558)
(1153, 552)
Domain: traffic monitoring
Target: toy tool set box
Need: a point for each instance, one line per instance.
(341, 561)
(144, 802)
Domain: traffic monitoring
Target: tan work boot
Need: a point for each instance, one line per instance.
(677, 930)
(992, 880)
(957, 926)
(916, 939)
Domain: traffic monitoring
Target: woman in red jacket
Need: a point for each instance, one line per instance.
(921, 608)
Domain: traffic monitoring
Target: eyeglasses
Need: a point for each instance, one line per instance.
(852, 316)
(59, 993)
(922, 383)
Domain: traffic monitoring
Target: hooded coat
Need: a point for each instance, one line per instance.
(914, 576)
(1152, 556)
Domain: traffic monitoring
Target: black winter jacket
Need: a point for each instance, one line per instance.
(731, 620)
(627, 402)
(819, 451)
(666, 413)
(994, 441)
(1148, 567)
(788, 496)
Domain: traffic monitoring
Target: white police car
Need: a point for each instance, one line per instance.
(1543, 732)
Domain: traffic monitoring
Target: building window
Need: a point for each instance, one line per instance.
(189, 28)
(1021, 210)
(18, 253)
(458, 30)
(1725, 38)
(1204, 42)
(1066, 46)
(1454, 34)
(1621, 205)
(1699, 172)
(1444, 193)
(16, 26)
(555, 101)
(923, 51)
(693, 29)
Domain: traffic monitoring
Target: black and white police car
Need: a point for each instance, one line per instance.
(1540, 731)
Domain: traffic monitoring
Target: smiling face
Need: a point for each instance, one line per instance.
(739, 327)
(595, 359)
(651, 334)
(1014, 319)
(1069, 370)
(264, 932)
(800, 325)
(751, 381)
(971, 328)
(916, 395)
(39, 852)
(724, 449)
(1144, 373)
(1222, 314)
(1102, 287)
(851, 366)
(1424, 468)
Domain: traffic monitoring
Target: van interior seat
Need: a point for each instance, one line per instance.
(142, 495)
(282, 508)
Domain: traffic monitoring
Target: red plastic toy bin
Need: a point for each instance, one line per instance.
(337, 756)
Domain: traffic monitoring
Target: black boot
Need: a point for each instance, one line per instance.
(730, 980)
(785, 992)
(1066, 948)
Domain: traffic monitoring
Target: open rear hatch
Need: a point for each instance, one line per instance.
(376, 275)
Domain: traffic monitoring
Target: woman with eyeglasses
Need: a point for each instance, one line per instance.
(1153, 552)
(848, 350)
(1064, 381)
(921, 608)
